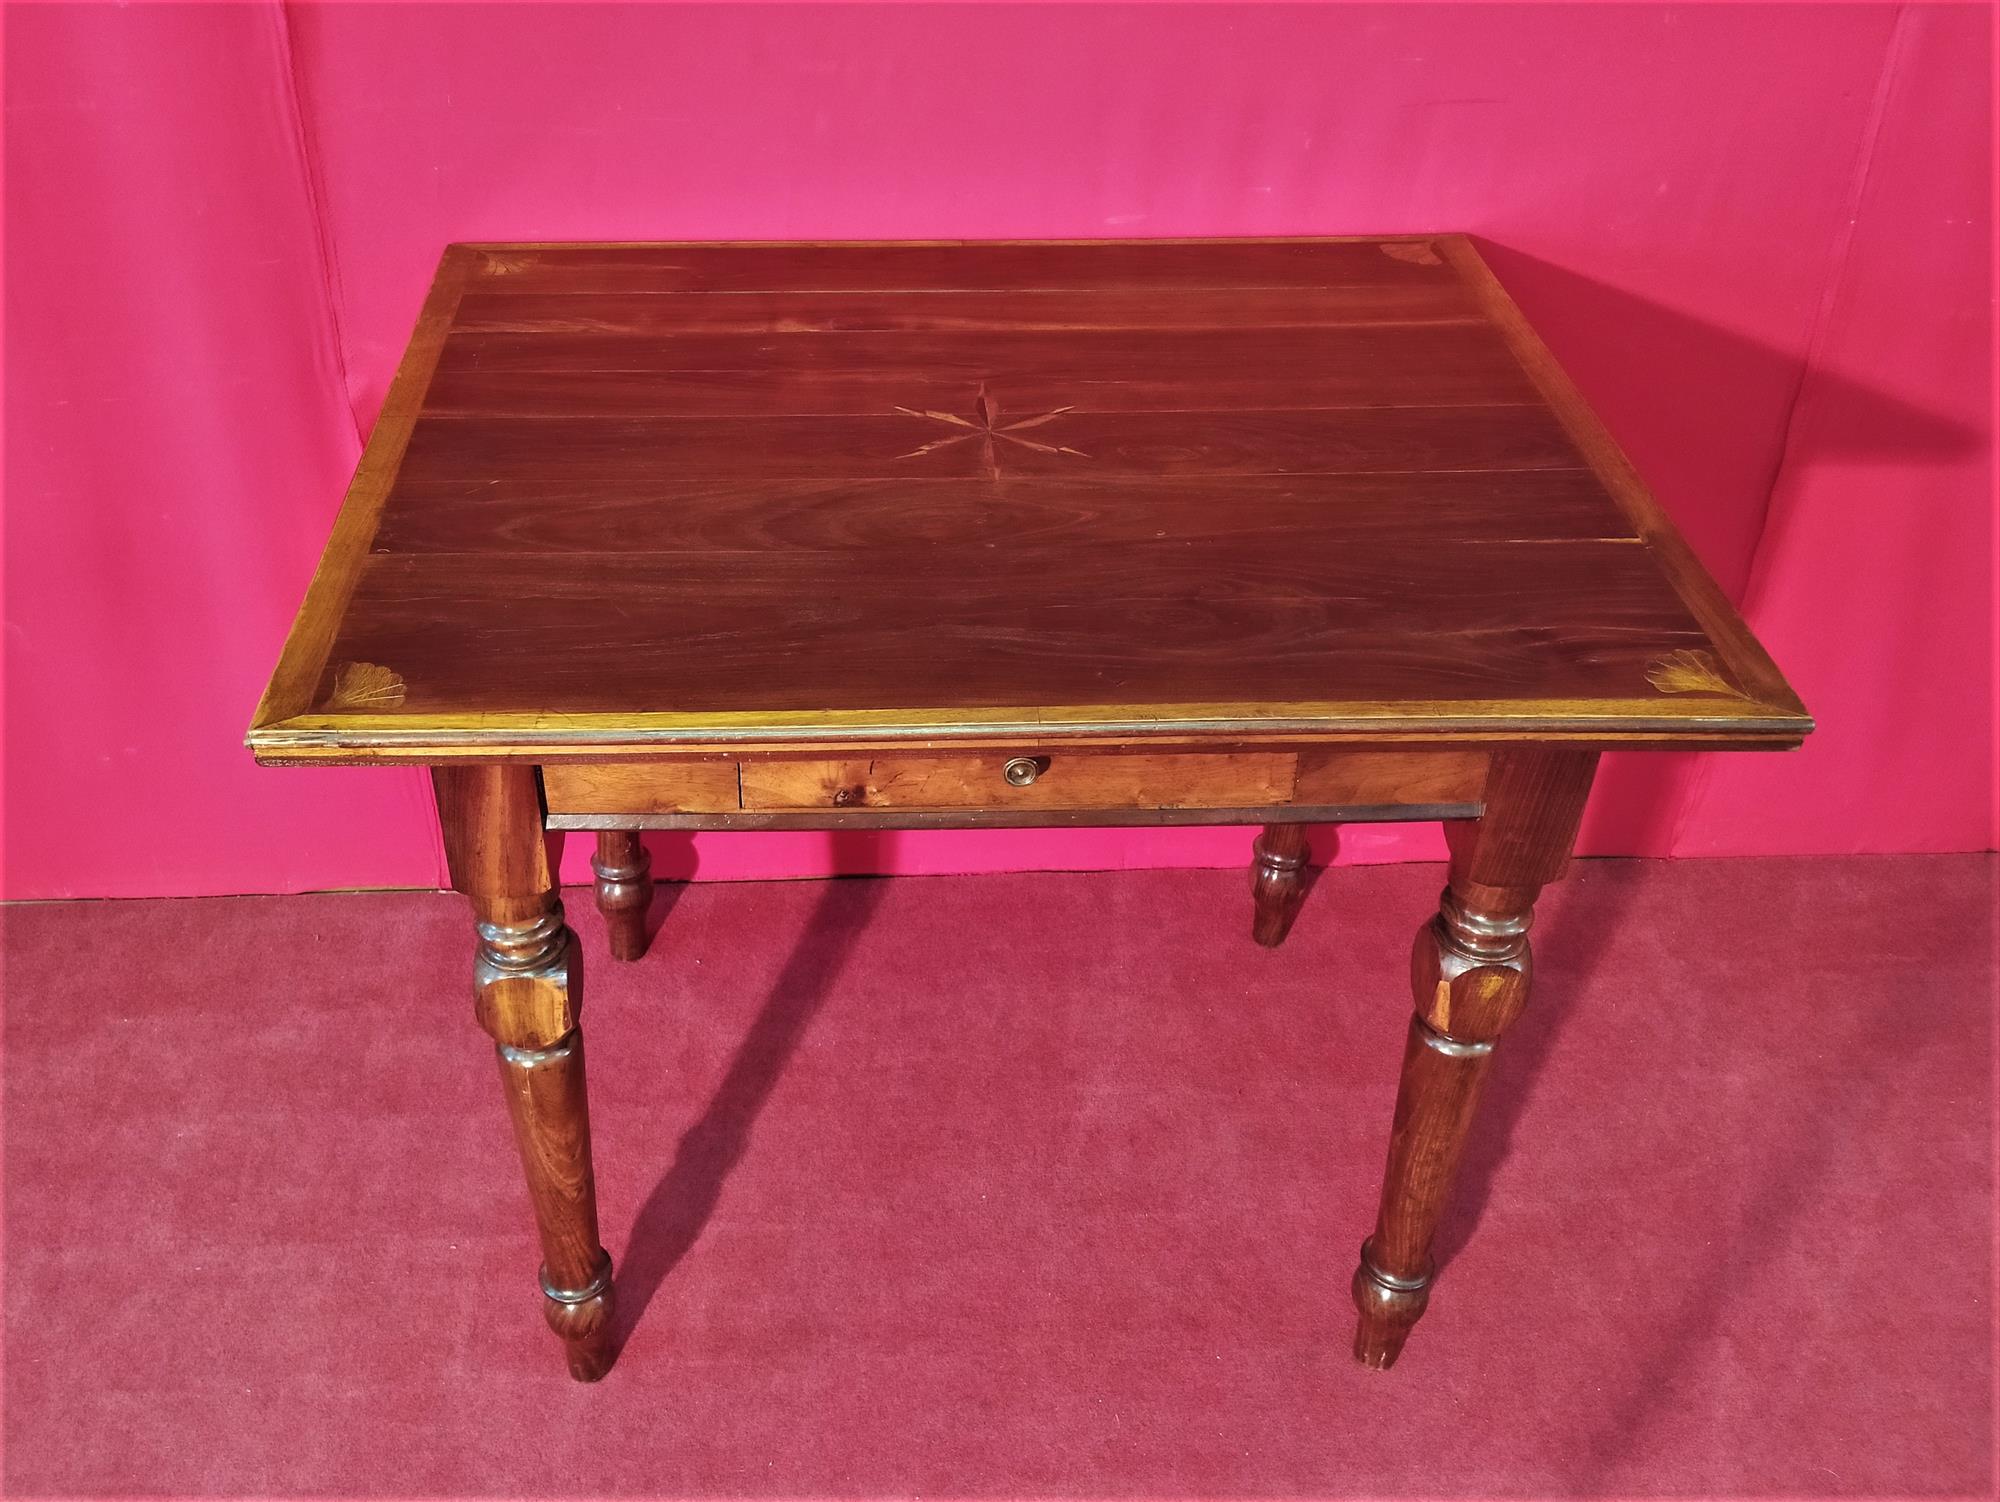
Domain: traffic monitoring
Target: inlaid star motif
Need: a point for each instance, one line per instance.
(985, 425)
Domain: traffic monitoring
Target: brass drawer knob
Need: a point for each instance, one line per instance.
(1021, 771)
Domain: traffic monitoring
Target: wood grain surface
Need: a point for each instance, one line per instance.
(1105, 781)
(689, 496)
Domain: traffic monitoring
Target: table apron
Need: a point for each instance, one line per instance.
(1068, 818)
(898, 790)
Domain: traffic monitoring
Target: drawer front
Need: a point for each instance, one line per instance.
(1383, 779)
(641, 787)
(1050, 780)
(1053, 780)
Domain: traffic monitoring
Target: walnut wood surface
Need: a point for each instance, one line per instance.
(527, 995)
(1016, 818)
(1212, 780)
(624, 884)
(1277, 881)
(1469, 973)
(1330, 777)
(1064, 779)
(642, 787)
(702, 495)
(916, 535)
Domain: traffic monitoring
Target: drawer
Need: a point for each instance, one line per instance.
(1384, 779)
(1058, 779)
(1050, 780)
(641, 787)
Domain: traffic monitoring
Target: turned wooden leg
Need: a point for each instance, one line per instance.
(1469, 972)
(624, 890)
(527, 995)
(1277, 881)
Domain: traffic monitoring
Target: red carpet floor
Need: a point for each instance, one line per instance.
(1012, 1186)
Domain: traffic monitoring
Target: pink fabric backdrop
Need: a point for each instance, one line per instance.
(1759, 236)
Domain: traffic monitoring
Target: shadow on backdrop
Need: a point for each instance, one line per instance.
(1705, 416)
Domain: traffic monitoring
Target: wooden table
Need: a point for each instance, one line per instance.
(1270, 532)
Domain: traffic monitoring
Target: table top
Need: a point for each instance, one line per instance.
(631, 498)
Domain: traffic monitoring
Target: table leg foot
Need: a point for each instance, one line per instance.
(1388, 1309)
(624, 874)
(1277, 881)
(581, 1317)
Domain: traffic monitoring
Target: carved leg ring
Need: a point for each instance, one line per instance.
(624, 890)
(546, 1101)
(1277, 881)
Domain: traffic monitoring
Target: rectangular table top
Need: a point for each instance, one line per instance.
(630, 498)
